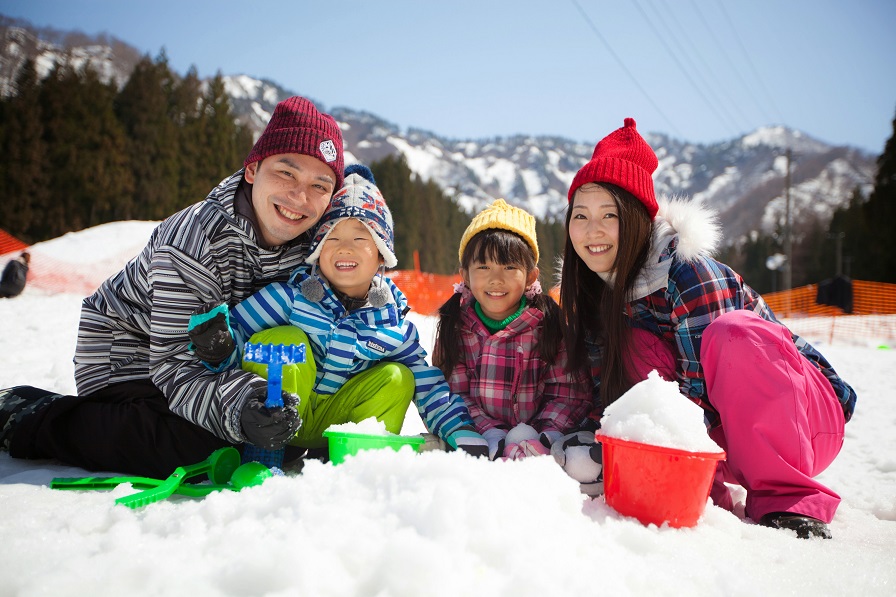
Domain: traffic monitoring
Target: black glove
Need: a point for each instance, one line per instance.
(469, 441)
(209, 332)
(270, 428)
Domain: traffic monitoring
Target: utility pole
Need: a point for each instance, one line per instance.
(788, 234)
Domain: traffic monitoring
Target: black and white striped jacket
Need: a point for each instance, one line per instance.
(134, 327)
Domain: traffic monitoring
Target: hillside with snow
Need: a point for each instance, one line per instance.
(742, 178)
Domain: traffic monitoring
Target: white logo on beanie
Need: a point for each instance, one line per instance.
(328, 149)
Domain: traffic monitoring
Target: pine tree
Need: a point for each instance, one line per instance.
(849, 221)
(880, 211)
(223, 144)
(425, 220)
(22, 173)
(551, 244)
(869, 247)
(185, 113)
(143, 108)
(393, 178)
(86, 161)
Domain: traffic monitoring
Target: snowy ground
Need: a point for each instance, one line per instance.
(396, 524)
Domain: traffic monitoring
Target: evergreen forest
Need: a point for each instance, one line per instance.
(78, 152)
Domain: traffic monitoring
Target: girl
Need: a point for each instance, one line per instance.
(640, 292)
(499, 341)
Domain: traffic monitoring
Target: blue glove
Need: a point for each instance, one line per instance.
(469, 441)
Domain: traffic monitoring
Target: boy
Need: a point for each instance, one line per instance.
(367, 359)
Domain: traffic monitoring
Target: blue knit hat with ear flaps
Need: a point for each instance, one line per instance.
(359, 198)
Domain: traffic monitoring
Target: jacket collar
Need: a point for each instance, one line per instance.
(682, 230)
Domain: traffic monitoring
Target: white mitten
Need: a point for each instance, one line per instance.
(580, 455)
(495, 438)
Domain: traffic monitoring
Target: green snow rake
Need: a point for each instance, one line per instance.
(223, 469)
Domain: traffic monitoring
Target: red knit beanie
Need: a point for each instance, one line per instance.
(298, 127)
(622, 158)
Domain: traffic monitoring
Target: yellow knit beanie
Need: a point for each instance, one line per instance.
(503, 216)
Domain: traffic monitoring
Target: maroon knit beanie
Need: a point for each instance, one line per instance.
(298, 127)
(622, 158)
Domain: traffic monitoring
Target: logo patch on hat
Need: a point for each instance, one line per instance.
(328, 149)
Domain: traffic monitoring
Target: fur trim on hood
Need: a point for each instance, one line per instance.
(698, 233)
(697, 226)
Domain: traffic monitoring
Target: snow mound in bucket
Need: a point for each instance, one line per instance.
(654, 412)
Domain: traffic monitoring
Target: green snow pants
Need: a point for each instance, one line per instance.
(384, 391)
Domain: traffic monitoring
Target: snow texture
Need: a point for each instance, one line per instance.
(404, 524)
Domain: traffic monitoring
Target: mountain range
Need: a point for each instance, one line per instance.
(743, 178)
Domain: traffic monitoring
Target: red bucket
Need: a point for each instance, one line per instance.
(656, 484)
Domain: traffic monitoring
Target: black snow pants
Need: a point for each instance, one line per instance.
(124, 428)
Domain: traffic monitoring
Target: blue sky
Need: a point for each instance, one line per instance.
(699, 70)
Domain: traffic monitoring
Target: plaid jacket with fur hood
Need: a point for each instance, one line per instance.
(682, 290)
(505, 382)
(134, 327)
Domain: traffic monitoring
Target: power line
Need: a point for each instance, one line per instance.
(748, 89)
(724, 119)
(749, 62)
(625, 69)
(688, 49)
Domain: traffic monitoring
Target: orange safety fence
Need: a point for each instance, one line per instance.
(425, 292)
(872, 320)
(10, 244)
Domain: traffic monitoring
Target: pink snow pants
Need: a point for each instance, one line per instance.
(781, 423)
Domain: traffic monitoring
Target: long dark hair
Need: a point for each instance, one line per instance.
(592, 308)
(505, 248)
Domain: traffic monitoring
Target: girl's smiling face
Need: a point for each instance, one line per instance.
(498, 288)
(594, 227)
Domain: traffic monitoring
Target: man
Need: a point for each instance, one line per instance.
(12, 282)
(146, 405)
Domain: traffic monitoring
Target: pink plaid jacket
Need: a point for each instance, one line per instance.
(504, 381)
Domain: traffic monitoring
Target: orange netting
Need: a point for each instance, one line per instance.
(873, 317)
(872, 321)
(868, 298)
(425, 292)
(9, 243)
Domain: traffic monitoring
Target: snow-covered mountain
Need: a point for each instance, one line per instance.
(743, 178)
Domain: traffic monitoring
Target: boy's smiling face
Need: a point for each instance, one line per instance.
(349, 258)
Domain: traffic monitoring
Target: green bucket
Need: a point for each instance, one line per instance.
(344, 444)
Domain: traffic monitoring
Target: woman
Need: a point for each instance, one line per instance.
(640, 292)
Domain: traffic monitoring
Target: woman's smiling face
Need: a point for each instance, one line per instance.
(594, 227)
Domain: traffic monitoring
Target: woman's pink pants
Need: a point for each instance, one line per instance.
(781, 423)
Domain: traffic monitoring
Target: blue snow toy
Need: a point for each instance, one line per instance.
(274, 356)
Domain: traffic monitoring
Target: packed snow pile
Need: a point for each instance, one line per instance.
(366, 427)
(654, 412)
